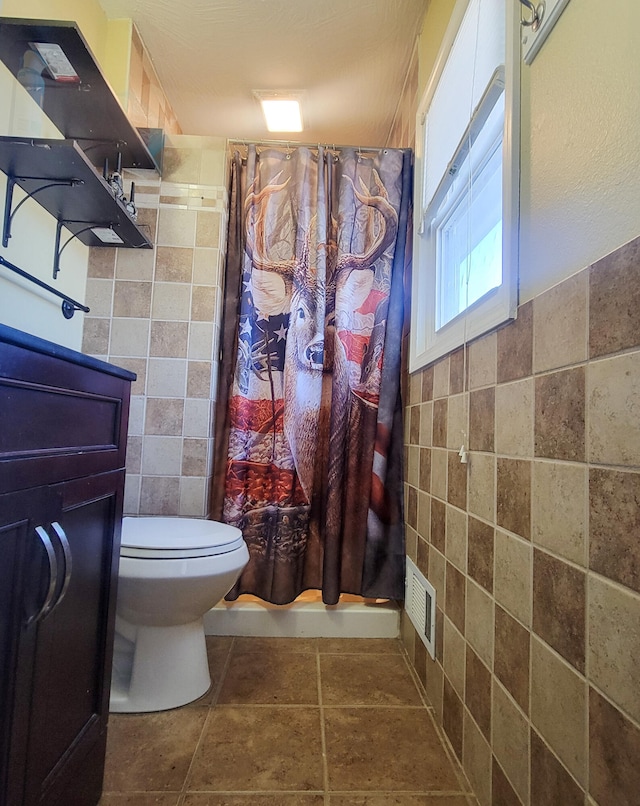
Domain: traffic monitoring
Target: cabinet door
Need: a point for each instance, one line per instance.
(29, 582)
(72, 662)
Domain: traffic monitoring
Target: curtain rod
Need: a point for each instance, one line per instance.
(293, 144)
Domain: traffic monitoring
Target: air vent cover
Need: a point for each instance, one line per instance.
(420, 604)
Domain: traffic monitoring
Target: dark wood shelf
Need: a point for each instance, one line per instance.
(34, 163)
(87, 110)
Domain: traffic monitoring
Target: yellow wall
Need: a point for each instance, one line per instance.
(580, 138)
(116, 63)
(580, 195)
(108, 40)
(434, 26)
(22, 305)
(88, 14)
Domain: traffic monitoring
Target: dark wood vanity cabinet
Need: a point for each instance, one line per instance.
(63, 422)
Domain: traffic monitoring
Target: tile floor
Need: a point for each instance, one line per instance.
(290, 722)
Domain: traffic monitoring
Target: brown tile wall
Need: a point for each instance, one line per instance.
(157, 312)
(534, 545)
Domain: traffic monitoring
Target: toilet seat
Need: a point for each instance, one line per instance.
(178, 538)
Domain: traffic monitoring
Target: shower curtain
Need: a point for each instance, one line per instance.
(308, 442)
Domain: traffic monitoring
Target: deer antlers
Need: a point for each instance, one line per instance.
(386, 233)
(381, 234)
(255, 238)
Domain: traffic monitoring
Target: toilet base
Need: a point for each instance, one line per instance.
(157, 668)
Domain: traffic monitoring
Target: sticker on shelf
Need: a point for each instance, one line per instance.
(106, 235)
(56, 60)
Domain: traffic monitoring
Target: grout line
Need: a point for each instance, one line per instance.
(208, 718)
(333, 707)
(583, 787)
(205, 724)
(323, 735)
(498, 761)
(442, 737)
(360, 793)
(608, 698)
(531, 556)
(588, 588)
(223, 674)
(416, 680)
(455, 762)
(421, 793)
(314, 707)
(375, 706)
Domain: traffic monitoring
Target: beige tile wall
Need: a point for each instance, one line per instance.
(534, 545)
(157, 312)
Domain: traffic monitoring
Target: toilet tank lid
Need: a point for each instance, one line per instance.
(179, 534)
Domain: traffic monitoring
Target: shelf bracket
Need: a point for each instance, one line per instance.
(97, 142)
(8, 199)
(58, 250)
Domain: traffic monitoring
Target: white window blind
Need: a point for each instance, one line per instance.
(467, 179)
(480, 42)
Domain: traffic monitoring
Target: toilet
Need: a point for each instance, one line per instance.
(172, 571)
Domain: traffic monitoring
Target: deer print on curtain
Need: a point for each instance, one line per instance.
(309, 430)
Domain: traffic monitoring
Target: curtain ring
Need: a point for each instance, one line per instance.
(537, 13)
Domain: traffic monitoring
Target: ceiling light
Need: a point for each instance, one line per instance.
(281, 111)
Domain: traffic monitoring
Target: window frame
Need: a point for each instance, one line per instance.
(456, 202)
(426, 344)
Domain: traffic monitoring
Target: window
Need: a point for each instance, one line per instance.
(465, 242)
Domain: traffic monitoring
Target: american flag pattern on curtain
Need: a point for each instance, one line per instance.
(317, 350)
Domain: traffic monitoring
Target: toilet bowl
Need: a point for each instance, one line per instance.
(172, 571)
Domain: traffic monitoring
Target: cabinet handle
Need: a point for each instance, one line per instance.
(53, 576)
(68, 564)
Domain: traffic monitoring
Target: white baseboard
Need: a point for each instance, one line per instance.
(304, 620)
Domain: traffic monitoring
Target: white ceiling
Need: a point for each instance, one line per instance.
(349, 56)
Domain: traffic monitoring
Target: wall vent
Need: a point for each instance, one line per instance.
(420, 604)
